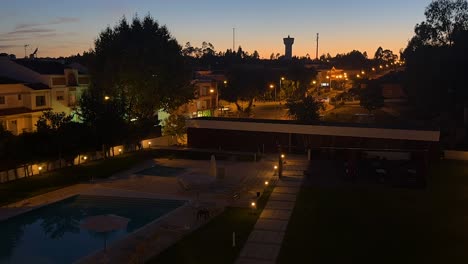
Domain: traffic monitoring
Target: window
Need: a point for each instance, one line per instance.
(40, 100)
(19, 97)
(2, 99)
(60, 96)
(204, 90)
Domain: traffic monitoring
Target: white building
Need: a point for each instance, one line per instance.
(30, 86)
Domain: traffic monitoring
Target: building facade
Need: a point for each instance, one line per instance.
(30, 86)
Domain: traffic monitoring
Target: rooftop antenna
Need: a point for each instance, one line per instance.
(316, 50)
(25, 54)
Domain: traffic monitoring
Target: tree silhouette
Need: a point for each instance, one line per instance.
(306, 110)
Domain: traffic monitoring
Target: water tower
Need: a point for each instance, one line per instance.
(288, 43)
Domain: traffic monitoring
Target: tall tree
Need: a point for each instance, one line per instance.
(434, 59)
(143, 61)
(443, 19)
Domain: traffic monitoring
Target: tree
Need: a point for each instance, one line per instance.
(106, 115)
(306, 110)
(298, 79)
(443, 19)
(435, 59)
(245, 83)
(174, 125)
(144, 62)
(371, 97)
(384, 56)
(61, 137)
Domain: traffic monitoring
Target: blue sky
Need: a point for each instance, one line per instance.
(65, 27)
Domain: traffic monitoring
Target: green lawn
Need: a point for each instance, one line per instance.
(361, 224)
(212, 243)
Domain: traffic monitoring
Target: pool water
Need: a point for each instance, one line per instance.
(52, 234)
(161, 170)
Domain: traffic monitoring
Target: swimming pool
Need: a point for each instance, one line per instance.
(162, 171)
(52, 234)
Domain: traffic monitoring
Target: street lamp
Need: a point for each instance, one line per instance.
(281, 84)
(106, 97)
(272, 86)
(213, 107)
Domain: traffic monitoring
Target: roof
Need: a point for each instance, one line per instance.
(322, 123)
(6, 80)
(18, 110)
(318, 129)
(43, 66)
(37, 86)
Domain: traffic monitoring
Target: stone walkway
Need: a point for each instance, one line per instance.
(264, 243)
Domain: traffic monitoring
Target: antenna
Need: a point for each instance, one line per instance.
(233, 39)
(25, 54)
(316, 51)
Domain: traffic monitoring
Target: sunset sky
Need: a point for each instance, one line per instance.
(64, 27)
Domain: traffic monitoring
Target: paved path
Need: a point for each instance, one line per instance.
(264, 243)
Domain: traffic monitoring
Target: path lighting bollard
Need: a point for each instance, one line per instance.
(280, 162)
(254, 206)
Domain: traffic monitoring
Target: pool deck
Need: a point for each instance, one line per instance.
(243, 178)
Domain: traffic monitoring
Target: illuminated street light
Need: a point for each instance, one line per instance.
(106, 97)
(359, 76)
(266, 183)
(381, 67)
(40, 168)
(282, 156)
(85, 157)
(363, 72)
(211, 90)
(373, 69)
(272, 86)
(281, 85)
(225, 82)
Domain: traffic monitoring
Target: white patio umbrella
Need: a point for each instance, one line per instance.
(104, 224)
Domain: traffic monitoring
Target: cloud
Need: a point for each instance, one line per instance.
(31, 30)
(9, 46)
(19, 37)
(57, 21)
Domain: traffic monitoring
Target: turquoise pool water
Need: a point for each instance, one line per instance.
(52, 234)
(161, 170)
